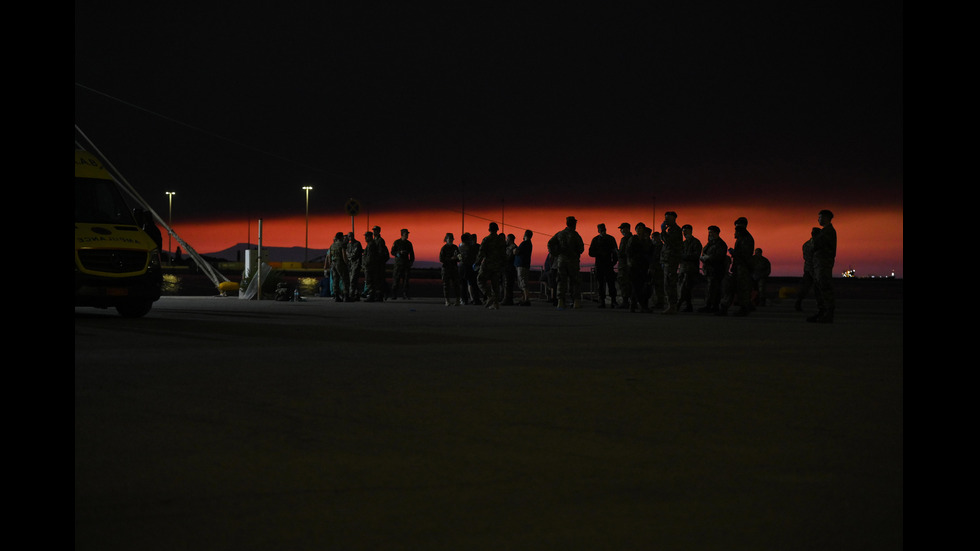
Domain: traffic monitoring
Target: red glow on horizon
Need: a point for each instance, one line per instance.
(780, 232)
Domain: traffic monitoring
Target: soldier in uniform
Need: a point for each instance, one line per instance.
(716, 262)
(404, 254)
(806, 283)
(490, 259)
(449, 258)
(824, 255)
(379, 241)
(339, 272)
(623, 273)
(670, 258)
(690, 267)
(468, 249)
(638, 255)
(522, 260)
(741, 269)
(603, 250)
(374, 266)
(384, 255)
(761, 268)
(510, 269)
(355, 254)
(655, 277)
(567, 247)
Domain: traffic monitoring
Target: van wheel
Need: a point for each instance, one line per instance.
(134, 308)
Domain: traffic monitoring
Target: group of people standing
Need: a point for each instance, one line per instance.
(348, 259)
(663, 268)
(658, 268)
(487, 273)
(647, 269)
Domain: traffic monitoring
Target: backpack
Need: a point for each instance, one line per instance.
(554, 245)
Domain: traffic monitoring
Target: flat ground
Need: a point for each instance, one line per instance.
(217, 423)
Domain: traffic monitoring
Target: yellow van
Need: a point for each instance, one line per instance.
(117, 262)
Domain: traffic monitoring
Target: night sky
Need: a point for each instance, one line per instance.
(767, 103)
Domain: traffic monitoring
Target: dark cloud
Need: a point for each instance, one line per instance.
(238, 109)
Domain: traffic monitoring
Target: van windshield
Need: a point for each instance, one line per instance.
(100, 202)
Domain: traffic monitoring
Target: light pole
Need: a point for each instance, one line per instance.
(306, 254)
(170, 223)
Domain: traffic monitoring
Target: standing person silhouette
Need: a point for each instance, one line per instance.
(824, 255)
(604, 250)
(567, 246)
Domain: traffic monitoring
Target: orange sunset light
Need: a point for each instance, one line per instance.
(870, 239)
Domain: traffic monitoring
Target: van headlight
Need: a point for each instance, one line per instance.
(155, 261)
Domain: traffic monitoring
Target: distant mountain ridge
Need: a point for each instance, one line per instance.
(236, 253)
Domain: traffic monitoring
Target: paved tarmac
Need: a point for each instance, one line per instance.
(216, 423)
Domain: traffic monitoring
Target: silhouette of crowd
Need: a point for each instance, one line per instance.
(645, 271)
